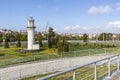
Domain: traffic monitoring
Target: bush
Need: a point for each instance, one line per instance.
(50, 51)
(85, 44)
(2, 54)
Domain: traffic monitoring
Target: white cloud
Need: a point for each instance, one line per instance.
(85, 28)
(115, 24)
(112, 27)
(78, 29)
(99, 10)
(67, 27)
(77, 26)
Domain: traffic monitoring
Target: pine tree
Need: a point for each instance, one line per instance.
(85, 37)
(56, 41)
(66, 47)
(40, 43)
(65, 44)
(39, 37)
(63, 40)
(6, 44)
(59, 47)
(18, 40)
(18, 43)
(51, 35)
(49, 42)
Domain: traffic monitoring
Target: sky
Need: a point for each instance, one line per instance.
(64, 16)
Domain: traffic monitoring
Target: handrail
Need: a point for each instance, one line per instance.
(74, 68)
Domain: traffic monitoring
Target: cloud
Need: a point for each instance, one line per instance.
(78, 29)
(99, 10)
(74, 27)
(110, 27)
(67, 27)
(115, 24)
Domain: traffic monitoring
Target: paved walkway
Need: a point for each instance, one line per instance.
(26, 70)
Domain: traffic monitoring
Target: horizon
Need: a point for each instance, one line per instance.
(64, 16)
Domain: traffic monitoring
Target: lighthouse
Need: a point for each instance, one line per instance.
(31, 31)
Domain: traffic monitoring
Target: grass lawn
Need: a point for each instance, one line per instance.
(10, 56)
(82, 49)
(35, 77)
(76, 49)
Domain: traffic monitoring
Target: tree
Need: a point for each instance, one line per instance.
(23, 37)
(39, 38)
(63, 45)
(6, 44)
(105, 36)
(85, 37)
(12, 36)
(56, 41)
(49, 42)
(59, 46)
(51, 35)
(1, 36)
(18, 36)
(66, 47)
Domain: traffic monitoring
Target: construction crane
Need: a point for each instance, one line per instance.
(47, 26)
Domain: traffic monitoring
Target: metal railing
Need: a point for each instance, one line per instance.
(97, 70)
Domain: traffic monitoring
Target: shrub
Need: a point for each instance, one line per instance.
(50, 51)
(2, 54)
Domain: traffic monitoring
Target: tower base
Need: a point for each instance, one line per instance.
(34, 47)
(28, 51)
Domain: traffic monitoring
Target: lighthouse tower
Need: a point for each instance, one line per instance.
(31, 30)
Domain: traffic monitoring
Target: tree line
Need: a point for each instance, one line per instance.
(54, 40)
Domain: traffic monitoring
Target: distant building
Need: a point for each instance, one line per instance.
(23, 31)
(92, 36)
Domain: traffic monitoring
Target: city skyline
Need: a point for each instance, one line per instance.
(72, 16)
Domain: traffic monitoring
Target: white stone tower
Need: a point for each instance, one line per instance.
(30, 30)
